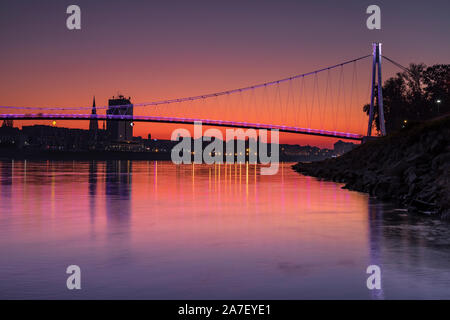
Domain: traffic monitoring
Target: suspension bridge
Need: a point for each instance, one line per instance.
(325, 102)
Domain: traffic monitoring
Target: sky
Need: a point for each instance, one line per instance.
(152, 50)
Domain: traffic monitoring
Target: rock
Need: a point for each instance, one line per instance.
(398, 168)
(410, 175)
(445, 215)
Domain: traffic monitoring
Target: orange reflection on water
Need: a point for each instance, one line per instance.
(163, 220)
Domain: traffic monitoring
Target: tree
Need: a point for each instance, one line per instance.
(417, 94)
(437, 81)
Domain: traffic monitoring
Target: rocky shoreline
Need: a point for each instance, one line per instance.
(411, 167)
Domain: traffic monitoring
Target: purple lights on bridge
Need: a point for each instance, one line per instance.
(223, 123)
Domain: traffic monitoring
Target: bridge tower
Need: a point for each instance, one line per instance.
(376, 69)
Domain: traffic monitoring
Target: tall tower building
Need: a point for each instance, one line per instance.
(93, 122)
(120, 130)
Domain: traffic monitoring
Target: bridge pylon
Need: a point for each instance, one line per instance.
(376, 69)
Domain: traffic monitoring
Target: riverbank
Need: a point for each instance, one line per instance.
(411, 167)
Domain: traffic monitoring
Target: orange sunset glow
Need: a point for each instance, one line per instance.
(156, 59)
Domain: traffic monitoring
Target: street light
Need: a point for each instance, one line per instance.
(438, 101)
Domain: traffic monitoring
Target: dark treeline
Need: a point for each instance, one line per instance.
(417, 94)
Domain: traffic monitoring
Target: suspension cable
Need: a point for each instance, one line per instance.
(397, 64)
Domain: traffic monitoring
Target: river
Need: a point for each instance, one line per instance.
(155, 230)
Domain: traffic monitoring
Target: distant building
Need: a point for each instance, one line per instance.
(120, 130)
(9, 136)
(342, 147)
(93, 123)
(7, 123)
(55, 138)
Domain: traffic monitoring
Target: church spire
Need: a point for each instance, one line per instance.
(93, 122)
(94, 110)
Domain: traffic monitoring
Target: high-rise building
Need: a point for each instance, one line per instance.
(93, 123)
(120, 130)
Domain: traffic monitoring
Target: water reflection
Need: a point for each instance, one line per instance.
(118, 176)
(198, 231)
(6, 180)
(92, 182)
(412, 251)
(375, 220)
(118, 187)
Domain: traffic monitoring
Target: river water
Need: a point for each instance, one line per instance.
(154, 230)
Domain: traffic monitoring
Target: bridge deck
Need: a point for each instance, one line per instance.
(220, 123)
